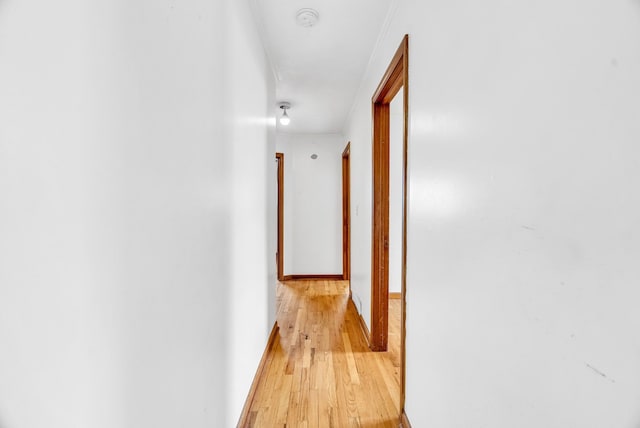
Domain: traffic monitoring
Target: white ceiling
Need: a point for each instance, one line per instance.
(318, 69)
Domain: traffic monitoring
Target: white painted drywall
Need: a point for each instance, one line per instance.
(313, 203)
(523, 243)
(396, 128)
(134, 157)
(250, 103)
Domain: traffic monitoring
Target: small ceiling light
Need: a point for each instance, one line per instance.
(284, 120)
(307, 17)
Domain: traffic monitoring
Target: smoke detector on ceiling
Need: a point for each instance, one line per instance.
(307, 17)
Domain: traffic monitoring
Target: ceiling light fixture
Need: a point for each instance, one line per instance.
(284, 120)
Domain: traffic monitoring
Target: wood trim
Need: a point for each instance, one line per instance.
(395, 295)
(395, 77)
(380, 231)
(365, 330)
(392, 80)
(404, 420)
(267, 355)
(312, 277)
(405, 195)
(346, 212)
(363, 324)
(280, 249)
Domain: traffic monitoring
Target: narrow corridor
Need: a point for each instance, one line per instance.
(319, 371)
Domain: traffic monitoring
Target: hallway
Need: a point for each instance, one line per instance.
(138, 222)
(319, 371)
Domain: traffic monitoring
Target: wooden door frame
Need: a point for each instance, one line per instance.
(346, 212)
(280, 249)
(395, 78)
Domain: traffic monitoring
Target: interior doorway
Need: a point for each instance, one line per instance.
(280, 245)
(396, 78)
(346, 213)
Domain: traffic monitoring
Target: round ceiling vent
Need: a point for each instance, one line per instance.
(307, 17)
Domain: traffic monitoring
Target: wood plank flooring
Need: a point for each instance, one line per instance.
(320, 372)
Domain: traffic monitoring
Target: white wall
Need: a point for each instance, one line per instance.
(523, 241)
(313, 202)
(396, 127)
(125, 238)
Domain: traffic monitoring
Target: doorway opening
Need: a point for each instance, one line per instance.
(396, 78)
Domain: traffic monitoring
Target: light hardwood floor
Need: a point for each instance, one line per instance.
(320, 372)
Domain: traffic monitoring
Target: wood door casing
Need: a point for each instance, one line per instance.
(346, 213)
(280, 249)
(395, 78)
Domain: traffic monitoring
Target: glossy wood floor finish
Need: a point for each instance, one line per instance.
(320, 372)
